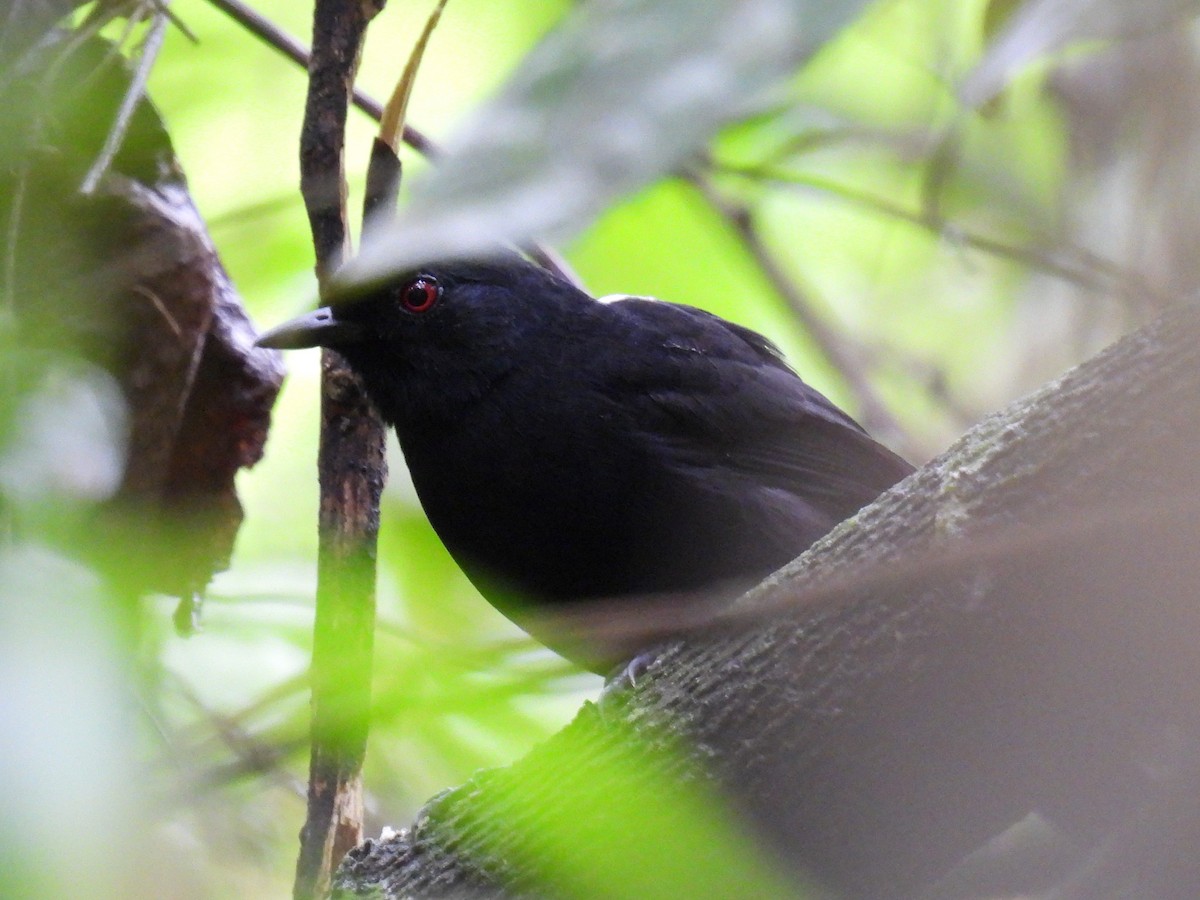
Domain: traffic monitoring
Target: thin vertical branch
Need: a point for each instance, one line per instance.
(351, 470)
(271, 34)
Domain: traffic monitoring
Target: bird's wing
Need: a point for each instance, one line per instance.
(720, 396)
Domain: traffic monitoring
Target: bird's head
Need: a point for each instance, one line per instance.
(434, 338)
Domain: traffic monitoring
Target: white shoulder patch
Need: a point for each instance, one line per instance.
(617, 298)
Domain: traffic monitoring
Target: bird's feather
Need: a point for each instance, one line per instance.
(729, 401)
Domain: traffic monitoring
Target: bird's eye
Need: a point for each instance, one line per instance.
(420, 294)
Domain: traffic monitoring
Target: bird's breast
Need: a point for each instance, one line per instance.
(549, 505)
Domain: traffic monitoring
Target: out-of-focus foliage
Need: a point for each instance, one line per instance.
(920, 259)
(617, 95)
(1042, 25)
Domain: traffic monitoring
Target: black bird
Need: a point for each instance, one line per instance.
(605, 471)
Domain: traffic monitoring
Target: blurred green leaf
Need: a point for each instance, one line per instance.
(72, 801)
(1042, 26)
(620, 93)
(618, 826)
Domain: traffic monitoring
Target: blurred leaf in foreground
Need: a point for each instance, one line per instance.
(1042, 26)
(621, 93)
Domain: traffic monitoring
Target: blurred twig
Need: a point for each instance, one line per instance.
(252, 754)
(270, 698)
(129, 103)
(931, 376)
(12, 231)
(840, 354)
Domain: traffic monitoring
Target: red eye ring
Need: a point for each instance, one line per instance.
(420, 294)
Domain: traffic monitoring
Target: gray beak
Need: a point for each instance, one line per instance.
(319, 328)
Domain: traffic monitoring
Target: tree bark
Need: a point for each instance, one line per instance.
(1012, 629)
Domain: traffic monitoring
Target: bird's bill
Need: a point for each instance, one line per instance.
(319, 328)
